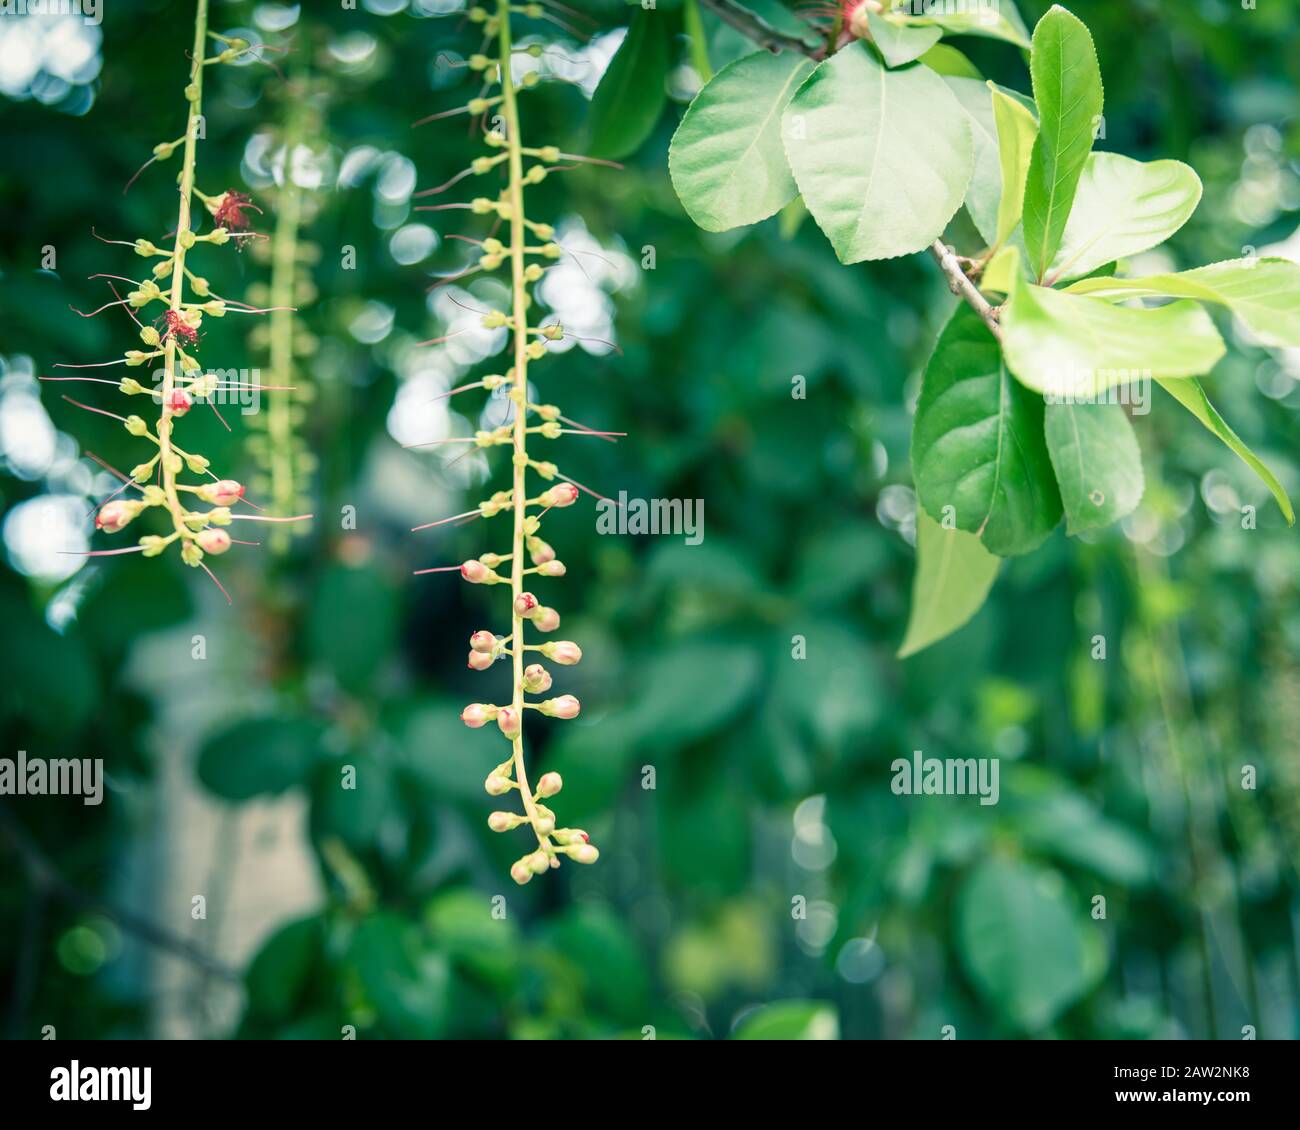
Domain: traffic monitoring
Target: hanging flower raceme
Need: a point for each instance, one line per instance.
(173, 338)
(529, 245)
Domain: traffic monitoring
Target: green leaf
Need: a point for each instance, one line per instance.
(977, 443)
(726, 159)
(985, 189)
(407, 983)
(1098, 463)
(278, 976)
(882, 158)
(631, 94)
(1263, 293)
(945, 60)
(1192, 396)
(259, 755)
(790, 1020)
(954, 574)
(1023, 944)
(1067, 91)
(1122, 207)
(1016, 129)
(1073, 347)
(900, 43)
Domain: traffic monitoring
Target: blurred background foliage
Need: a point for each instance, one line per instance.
(769, 884)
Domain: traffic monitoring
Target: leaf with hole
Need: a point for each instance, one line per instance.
(1097, 461)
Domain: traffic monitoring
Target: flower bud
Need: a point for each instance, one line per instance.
(496, 785)
(224, 492)
(544, 826)
(114, 515)
(520, 872)
(562, 651)
(481, 660)
(566, 706)
(525, 602)
(213, 540)
(552, 569)
(537, 679)
(562, 494)
(502, 821)
(549, 784)
(584, 853)
(475, 572)
(539, 862)
(508, 721)
(482, 641)
(477, 714)
(180, 402)
(546, 619)
(539, 551)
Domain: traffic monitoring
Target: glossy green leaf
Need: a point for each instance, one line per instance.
(985, 189)
(790, 1020)
(882, 158)
(405, 981)
(1098, 463)
(1023, 944)
(1067, 91)
(1123, 207)
(1192, 396)
(257, 756)
(1071, 346)
(631, 94)
(946, 60)
(899, 42)
(977, 443)
(1263, 293)
(1016, 130)
(954, 573)
(279, 974)
(726, 159)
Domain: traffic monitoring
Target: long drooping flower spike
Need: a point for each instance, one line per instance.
(522, 250)
(174, 337)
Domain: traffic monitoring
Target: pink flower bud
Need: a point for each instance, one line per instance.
(520, 872)
(114, 515)
(481, 660)
(213, 540)
(477, 714)
(566, 706)
(496, 785)
(225, 492)
(539, 862)
(539, 551)
(562, 651)
(584, 853)
(501, 821)
(475, 572)
(180, 402)
(549, 784)
(537, 679)
(552, 569)
(546, 619)
(544, 826)
(482, 641)
(562, 494)
(508, 721)
(525, 602)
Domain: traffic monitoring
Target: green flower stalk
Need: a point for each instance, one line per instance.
(174, 337)
(528, 245)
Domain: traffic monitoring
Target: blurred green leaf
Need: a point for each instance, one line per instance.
(353, 624)
(631, 95)
(279, 974)
(790, 1020)
(259, 755)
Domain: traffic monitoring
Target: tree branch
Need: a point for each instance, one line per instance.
(753, 26)
(765, 35)
(959, 283)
